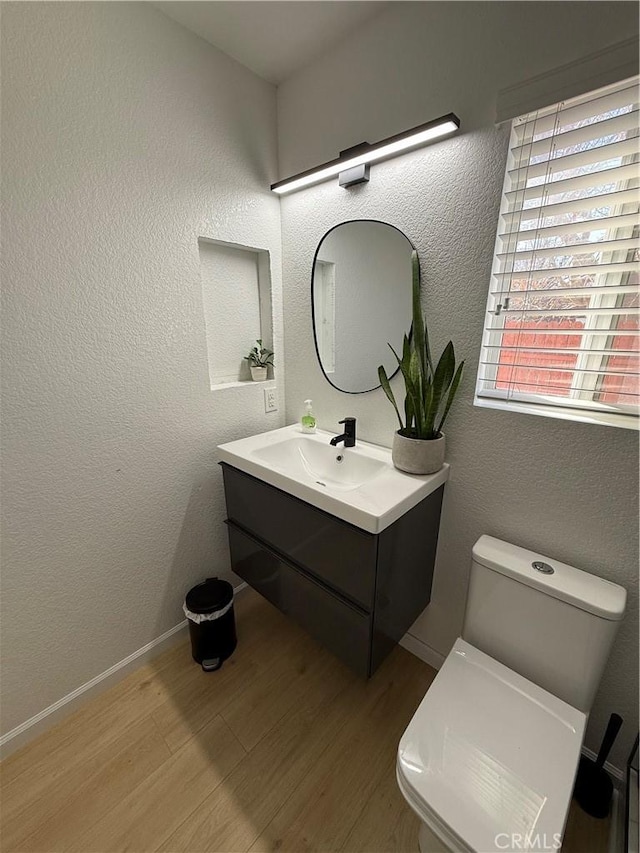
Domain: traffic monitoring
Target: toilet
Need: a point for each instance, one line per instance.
(488, 761)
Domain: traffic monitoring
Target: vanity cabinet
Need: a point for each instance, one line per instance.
(356, 592)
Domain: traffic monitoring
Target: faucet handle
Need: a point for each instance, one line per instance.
(349, 431)
(349, 436)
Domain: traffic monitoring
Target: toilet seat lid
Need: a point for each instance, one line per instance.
(489, 755)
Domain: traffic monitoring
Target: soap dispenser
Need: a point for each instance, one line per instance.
(308, 421)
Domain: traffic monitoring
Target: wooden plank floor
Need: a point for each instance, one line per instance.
(282, 749)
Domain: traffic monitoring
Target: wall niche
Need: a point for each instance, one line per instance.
(236, 296)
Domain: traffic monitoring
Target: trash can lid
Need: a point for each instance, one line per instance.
(209, 596)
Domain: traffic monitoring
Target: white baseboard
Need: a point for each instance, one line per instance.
(615, 772)
(422, 651)
(48, 717)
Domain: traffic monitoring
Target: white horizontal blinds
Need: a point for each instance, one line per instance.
(563, 314)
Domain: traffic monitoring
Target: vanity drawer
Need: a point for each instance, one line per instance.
(333, 622)
(335, 552)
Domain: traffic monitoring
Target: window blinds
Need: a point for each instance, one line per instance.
(563, 314)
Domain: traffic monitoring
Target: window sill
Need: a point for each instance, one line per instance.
(565, 414)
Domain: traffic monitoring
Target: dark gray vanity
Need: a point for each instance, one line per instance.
(356, 592)
(323, 526)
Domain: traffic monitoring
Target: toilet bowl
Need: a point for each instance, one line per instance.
(488, 761)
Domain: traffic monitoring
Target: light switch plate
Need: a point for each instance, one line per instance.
(270, 400)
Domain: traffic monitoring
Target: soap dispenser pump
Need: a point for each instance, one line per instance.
(308, 421)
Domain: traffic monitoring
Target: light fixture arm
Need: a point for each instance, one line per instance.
(357, 174)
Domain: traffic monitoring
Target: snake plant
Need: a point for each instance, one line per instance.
(429, 390)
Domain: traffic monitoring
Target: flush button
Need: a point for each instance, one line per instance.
(545, 568)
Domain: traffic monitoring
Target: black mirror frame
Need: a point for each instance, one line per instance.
(313, 313)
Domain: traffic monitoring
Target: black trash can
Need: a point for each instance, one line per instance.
(212, 625)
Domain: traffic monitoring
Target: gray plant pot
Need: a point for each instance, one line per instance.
(416, 455)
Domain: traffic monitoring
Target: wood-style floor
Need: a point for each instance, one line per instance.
(282, 749)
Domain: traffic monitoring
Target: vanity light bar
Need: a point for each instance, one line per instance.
(413, 138)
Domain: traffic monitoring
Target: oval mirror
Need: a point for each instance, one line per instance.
(361, 302)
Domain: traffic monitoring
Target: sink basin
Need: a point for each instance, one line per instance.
(305, 458)
(356, 484)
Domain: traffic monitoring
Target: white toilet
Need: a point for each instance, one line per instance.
(489, 759)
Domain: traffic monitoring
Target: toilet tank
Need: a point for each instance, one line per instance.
(555, 628)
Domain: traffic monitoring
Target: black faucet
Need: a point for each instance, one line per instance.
(349, 434)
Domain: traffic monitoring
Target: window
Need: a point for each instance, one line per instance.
(562, 331)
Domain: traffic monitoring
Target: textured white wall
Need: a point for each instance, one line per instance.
(569, 490)
(125, 137)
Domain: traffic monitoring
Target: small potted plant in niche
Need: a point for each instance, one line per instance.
(259, 359)
(419, 444)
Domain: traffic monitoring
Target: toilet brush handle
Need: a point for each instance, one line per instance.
(613, 727)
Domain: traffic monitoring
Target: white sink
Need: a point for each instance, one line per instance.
(305, 458)
(357, 484)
